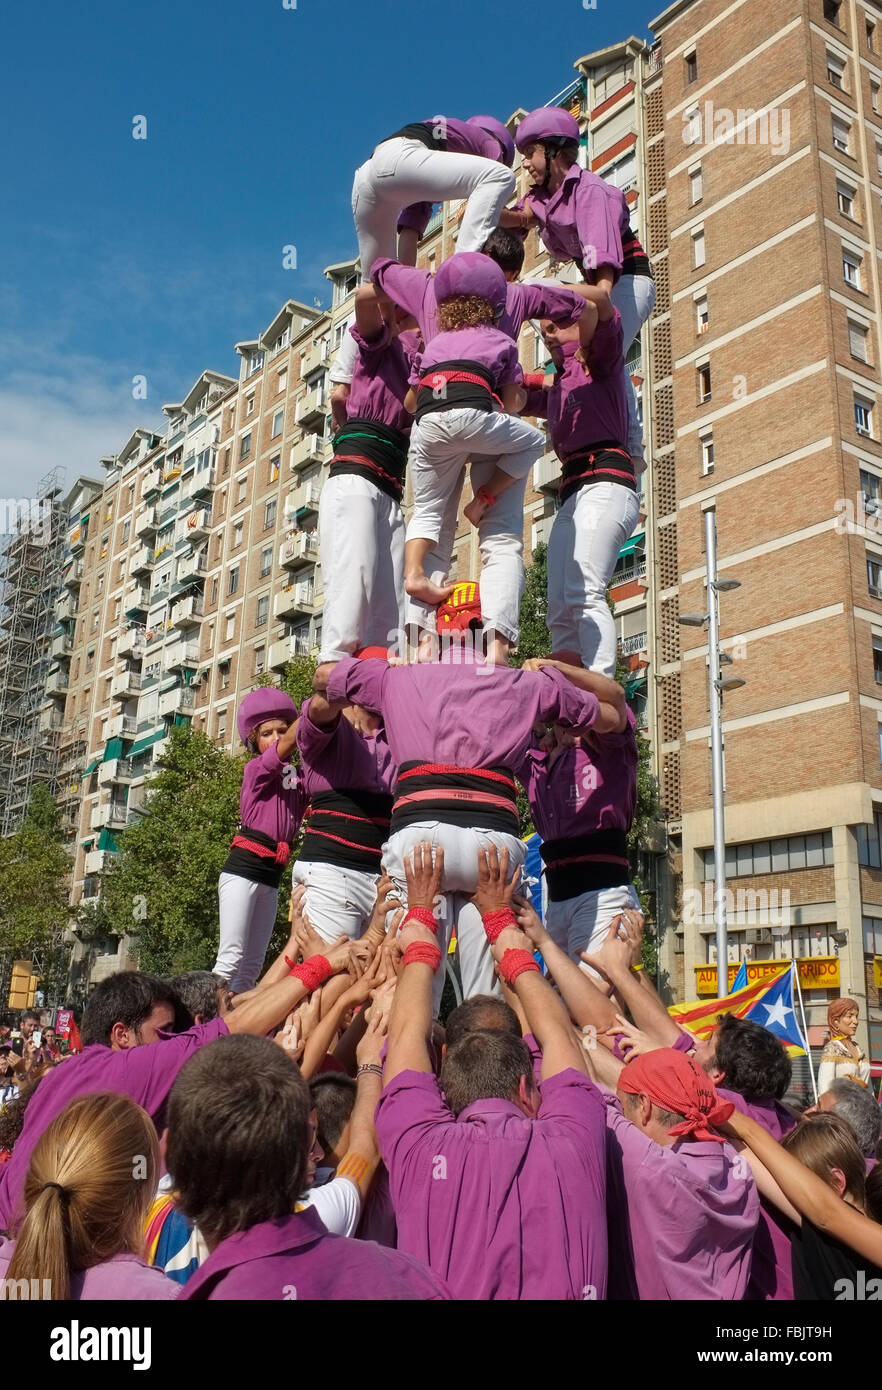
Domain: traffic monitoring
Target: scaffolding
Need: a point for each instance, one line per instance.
(32, 537)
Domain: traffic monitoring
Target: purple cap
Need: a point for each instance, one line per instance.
(546, 123)
(260, 705)
(471, 272)
(500, 132)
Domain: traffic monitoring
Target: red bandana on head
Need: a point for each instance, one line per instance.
(677, 1083)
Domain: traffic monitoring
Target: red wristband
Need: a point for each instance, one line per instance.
(424, 915)
(422, 953)
(514, 963)
(290, 963)
(313, 972)
(495, 922)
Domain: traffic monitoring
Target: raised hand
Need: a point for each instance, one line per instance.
(424, 874)
(495, 889)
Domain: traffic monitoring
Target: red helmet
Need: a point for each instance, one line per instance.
(499, 132)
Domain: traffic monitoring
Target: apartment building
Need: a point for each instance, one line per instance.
(764, 184)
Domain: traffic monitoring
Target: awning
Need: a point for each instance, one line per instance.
(87, 844)
(92, 766)
(635, 543)
(107, 840)
(142, 744)
(113, 749)
(632, 683)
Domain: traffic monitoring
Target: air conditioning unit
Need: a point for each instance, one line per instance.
(758, 936)
(871, 505)
(195, 681)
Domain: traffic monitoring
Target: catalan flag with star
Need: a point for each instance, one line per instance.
(768, 1002)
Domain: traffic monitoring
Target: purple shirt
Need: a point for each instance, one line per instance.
(336, 756)
(294, 1257)
(266, 803)
(494, 351)
(682, 1218)
(771, 1276)
(414, 290)
(501, 1206)
(583, 220)
(584, 409)
(124, 1276)
(585, 788)
(146, 1074)
(380, 379)
(464, 714)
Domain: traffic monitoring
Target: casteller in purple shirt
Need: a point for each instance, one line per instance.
(294, 1257)
(500, 1205)
(145, 1073)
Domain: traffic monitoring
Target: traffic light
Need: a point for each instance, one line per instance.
(23, 986)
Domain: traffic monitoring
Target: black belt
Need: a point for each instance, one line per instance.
(456, 385)
(585, 863)
(464, 796)
(419, 130)
(374, 451)
(603, 462)
(347, 827)
(255, 867)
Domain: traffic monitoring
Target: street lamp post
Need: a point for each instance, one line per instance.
(716, 685)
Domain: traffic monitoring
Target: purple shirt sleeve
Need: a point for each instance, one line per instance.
(313, 739)
(605, 356)
(564, 703)
(551, 302)
(415, 218)
(358, 682)
(371, 347)
(410, 1108)
(151, 1070)
(265, 772)
(684, 1043)
(404, 284)
(570, 1097)
(537, 402)
(510, 370)
(597, 227)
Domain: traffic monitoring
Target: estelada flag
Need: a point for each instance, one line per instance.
(700, 1015)
(75, 1042)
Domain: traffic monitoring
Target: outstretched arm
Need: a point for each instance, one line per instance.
(266, 1008)
(589, 1007)
(410, 1023)
(615, 961)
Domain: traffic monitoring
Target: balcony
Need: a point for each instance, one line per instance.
(137, 802)
(152, 483)
(111, 814)
(546, 473)
(74, 577)
(632, 646)
(177, 701)
(122, 726)
(298, 550)
(142, 561)
(182, 654)
(137, 600)
(65, 608)
(188, 612)
(115, 770)
(125, 684)
(280, 653)
(60, 647)
(198, 525)
(96, 861)
(303, 499)
(204, 482)
(131, 643)
(542, 531)
(145, 523)
(635, 571)
(310, 449)
(313, 359)
(191, 568)
(296, 601)
(78, 537)
(57, 683)
(311, 408)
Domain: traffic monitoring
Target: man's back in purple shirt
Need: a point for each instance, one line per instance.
(294, 1257)
(500, 1205)
(145, 1073)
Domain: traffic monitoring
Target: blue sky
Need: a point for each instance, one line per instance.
(121, 256)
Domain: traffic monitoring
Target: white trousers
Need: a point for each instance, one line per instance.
(460, 881)
(634, 297)
(401, 172)
(339, 902)
(580, 924)
(361, 534)
(586, 536)
(440, 446)
(247, 917)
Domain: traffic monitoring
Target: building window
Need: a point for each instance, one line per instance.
(863, 416)
(259, 660)
(266, 561)
(249, 405)
(874, 576)
(701, 314)
(698, 249)
(241, 490)
(214, 589)
(857, 339)
(230, 628)
(851, 268)
(831, 12)
(774, 856)
(691, 67)
(692, 126)
(233, 581)
(703, 374)
(874, 95)
(845, 196)
(255, 363)
(245, 447)
(262, 610)
(226, 467)
(841, 135)
(269, 515)
(707, 452)
(127, 527)
(274, 467)
(835, 70)
(695, 185)
(283, 379)
(879, 159)
(869, 843)
(871, 36)
(238, 531)
(877, 660)
(278, 422)
(222, 724)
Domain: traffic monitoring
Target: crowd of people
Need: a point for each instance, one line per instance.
(310, 1129)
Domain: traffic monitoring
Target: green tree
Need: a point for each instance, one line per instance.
(296, 679)
(34, 872)
(534, 639)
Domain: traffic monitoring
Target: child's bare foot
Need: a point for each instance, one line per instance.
(480, 503)
(420, 587)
